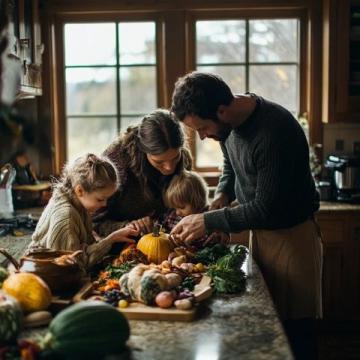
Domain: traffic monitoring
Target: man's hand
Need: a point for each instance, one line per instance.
(220, 200)
(189, 229)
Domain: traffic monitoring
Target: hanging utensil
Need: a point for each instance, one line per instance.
(5, 172)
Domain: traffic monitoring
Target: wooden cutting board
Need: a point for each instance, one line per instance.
(139, 311)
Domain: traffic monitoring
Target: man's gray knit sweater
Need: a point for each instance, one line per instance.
(266, 168)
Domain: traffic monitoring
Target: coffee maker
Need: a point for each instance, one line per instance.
(345, 177)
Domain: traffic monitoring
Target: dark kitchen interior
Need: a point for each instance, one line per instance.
(88, 69)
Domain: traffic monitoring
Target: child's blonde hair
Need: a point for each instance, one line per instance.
(90, 171)
(187, 188)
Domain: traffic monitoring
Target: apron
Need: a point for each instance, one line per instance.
(291, 263)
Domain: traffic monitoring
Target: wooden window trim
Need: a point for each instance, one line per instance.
(175, 17)
(248, 14)
(57, 58)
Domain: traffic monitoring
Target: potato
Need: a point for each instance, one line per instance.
(183, 304)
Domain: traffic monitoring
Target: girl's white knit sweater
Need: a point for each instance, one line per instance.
(65, 225)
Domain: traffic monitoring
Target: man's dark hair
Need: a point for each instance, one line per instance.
(200, 94)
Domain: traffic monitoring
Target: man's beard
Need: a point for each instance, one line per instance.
(223, 133)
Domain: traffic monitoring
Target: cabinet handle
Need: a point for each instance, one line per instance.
(356, 234)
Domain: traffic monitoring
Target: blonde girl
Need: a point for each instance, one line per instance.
(85, 186)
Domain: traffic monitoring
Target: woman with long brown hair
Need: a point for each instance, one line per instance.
(146, 157)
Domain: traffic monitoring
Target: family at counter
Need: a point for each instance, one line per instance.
(266, 187)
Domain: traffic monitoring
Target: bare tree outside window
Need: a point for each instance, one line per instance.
(259, 56)
(110, 81)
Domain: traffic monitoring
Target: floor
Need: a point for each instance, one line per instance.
(339, 340)
(324, 340)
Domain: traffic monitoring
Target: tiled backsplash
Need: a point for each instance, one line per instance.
(341, 138)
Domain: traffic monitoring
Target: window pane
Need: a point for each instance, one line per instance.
(220, 41)
(90, 44)
(90, 91)
(234, 76)
(89, 135)
(273, 40)
(277, 83)
(127, 121)
(137, 43)
(138, 93)
(208, 153)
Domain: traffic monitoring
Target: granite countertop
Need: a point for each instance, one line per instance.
(243, 326)
(16, 245)
(338, 206)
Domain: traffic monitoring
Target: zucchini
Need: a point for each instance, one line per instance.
(90, 329)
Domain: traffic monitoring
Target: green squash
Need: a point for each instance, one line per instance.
(11, 318)
(90, 329)
(149, 289)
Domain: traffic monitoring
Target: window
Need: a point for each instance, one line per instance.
(110, 81)
(118, 62)
(260, 56)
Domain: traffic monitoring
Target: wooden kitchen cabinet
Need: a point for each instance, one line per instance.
(341, 267)
(341, 61)
(26, 44)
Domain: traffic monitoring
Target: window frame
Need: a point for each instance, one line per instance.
(174, 54)
(244, 14)
(60, 130)
(119, 114)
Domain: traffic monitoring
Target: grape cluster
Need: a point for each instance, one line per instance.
(113, 296)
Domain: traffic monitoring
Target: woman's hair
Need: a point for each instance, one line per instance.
(157, 133)
(187, 188)
(90, 171)
(200, 94)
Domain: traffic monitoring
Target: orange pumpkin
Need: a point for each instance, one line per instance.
(156, 245)
(29, 290)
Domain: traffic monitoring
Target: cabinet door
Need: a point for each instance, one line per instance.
(333, 230)
(30, 46)
(353, 268)
(341, 61)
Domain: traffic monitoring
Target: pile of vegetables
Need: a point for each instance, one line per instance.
(209, 255)
(226, 273)
(116, 272)
(174, 279)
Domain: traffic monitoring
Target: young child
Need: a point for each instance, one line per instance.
(187, 194)
(65, 224)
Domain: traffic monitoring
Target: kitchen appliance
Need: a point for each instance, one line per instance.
(345, 176)
(325, 190)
